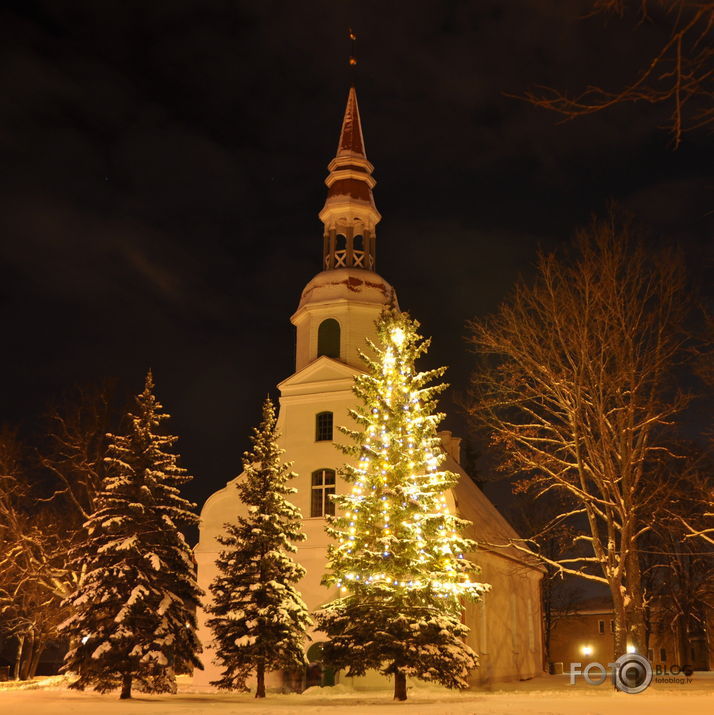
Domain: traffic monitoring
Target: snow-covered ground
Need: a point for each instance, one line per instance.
(548, 695)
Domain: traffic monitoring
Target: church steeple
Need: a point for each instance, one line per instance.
(349, 214)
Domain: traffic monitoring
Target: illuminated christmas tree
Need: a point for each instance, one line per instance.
(399, 557)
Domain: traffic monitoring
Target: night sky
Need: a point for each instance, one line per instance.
(162, 166)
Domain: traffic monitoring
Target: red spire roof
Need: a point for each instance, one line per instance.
(351, 141)
(349, 184)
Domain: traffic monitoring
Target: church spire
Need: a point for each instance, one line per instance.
(349, 214)
(351, 142)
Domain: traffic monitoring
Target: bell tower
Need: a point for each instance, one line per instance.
(349, 215)
(339, 306)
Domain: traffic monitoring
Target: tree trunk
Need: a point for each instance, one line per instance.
(683, 640)
(18, 657)
(27, 653)
(636, 611)
(39, 648)
(400, 685)
(648, 629)
(546, 600)
(618, 606)
(547, 629)
(125, 686)
(260, 675)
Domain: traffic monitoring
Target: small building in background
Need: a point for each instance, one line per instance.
(587, 634)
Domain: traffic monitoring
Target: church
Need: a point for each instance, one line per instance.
(336, 312)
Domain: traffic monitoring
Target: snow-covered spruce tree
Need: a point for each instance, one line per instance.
(399, 556)
(259, 618)
(133, 618)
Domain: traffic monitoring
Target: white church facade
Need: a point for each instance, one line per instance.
(336, 312)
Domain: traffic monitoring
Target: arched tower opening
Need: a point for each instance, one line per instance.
(328, 339)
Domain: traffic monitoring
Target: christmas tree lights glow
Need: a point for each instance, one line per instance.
(399, 558)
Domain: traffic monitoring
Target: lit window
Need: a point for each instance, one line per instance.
(328, 339)
(323, 485)
(323, 427)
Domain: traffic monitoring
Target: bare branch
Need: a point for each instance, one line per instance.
(680, 73)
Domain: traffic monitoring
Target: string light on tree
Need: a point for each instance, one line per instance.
(399, 559)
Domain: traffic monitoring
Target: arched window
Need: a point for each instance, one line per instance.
(323, 427)
(328, 338)
(323, 484)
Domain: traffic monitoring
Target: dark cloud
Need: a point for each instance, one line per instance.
(163, 167)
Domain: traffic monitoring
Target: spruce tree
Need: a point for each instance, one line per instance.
(260, 619)
(399, 557)
(133, 618)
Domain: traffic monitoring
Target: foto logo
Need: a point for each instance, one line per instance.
(631, 673)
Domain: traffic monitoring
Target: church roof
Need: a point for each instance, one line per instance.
(356, 285)
(350, 181)
(351, 139)
(353, 189)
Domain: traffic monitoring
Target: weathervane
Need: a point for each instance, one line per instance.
(353, 38)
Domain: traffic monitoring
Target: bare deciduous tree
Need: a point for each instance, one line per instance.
(546, 534)
(679, 74)
(36, 534)
(77, 433)
(575, 389)
(692, 506)
(33, 574)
